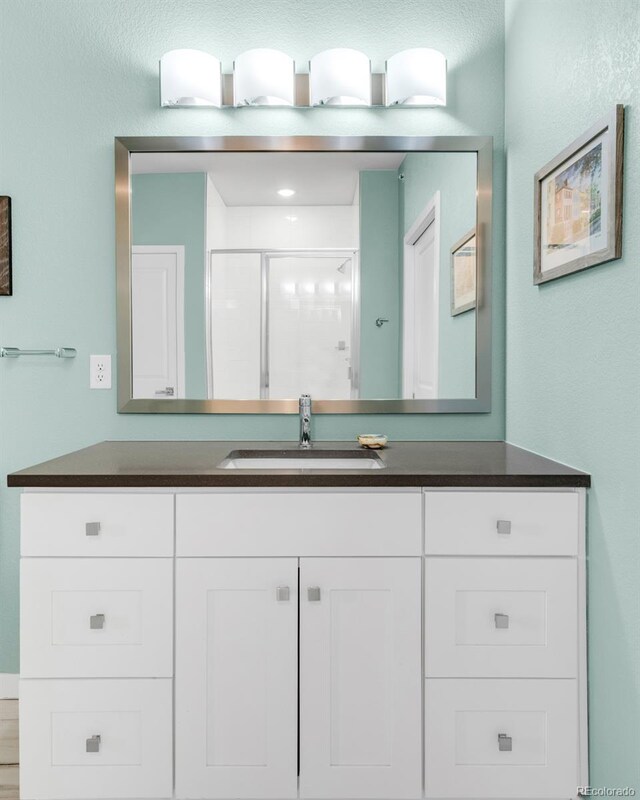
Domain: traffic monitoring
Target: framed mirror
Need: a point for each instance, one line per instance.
(251, 270)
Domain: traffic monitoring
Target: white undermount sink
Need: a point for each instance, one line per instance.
(302, 459)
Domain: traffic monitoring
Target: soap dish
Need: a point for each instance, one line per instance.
(374, 441)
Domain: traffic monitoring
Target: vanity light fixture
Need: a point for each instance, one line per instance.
(263, 77)
(190, 78)
(416, 77)
(286, 192)
(340, 77)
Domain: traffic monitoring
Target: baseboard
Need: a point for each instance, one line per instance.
(8, 686)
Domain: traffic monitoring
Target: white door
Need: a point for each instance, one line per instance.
(157, 311)
(360, 678)
(421, 304)
(425, 363)
(236, 678)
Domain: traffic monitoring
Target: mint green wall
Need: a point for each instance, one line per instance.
(454, 175)
(170, 208)
(380, 283)
(573, 383)
(74, 74)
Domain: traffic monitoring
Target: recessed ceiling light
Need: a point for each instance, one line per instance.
(286, 192)
(291, 218)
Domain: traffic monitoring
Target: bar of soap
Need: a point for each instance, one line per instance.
(374, 441)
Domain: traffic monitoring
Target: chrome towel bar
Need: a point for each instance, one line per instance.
(59, 352)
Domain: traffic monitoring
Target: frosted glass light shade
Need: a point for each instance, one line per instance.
(340, 77)
(263, 77)
(190, 78)
(416, 77)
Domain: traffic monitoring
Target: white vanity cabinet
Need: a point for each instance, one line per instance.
(321, 644)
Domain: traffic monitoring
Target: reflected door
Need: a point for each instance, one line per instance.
(157, 295)
(310, 312)
(426, 315)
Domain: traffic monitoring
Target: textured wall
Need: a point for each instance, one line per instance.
(573, 388)
(380, 283)
(170, 208)
(76, 73)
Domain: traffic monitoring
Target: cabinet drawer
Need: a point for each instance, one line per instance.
(109, 618)
(501, 617)
(531, 523)
(61, 757)
(299, 524)
(60, 524)
(501, 738)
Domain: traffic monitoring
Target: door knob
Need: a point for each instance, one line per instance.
(313, 594)
(93, 744)
(505, 743)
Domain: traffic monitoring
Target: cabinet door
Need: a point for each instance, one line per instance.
(236, 678)
(360, 678)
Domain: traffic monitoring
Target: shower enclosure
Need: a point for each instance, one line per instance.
(281, 323)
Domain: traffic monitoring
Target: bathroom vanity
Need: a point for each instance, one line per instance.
(410, 631)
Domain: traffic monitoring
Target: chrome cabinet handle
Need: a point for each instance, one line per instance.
(92, 529)
(96, 622)
(503, 526)
(282, 594)
(168, 391)
(313, 594)
(501, 620)
(505, 743)
(93, 744)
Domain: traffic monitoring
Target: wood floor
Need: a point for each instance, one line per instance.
(9, 750)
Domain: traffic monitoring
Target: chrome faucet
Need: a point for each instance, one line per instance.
(304, 405)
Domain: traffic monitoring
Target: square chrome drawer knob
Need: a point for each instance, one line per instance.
(313, 594)
(501, 620)
(505, 743)
(96, 622)
(93, 744)
(92, 529)
(282, 594)
(503, 526)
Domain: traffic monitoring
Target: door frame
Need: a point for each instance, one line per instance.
(178, 251)
(430, 215)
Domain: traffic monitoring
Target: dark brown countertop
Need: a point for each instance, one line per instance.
(179, 463)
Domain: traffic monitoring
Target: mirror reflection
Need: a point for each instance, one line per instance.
(345, 275)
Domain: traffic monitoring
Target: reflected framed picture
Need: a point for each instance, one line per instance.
(5, 245)
(578, 203)
(463, 274)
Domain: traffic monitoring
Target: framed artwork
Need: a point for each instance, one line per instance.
(463, 274)
(5, 245)
(578, 203)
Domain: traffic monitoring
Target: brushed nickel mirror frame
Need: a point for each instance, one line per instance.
(481, 145)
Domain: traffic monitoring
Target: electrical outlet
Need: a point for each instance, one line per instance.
(100, 372)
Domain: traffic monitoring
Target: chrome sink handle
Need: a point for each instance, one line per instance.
(304, 406)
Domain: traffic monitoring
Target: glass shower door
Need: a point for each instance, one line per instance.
(311, 317)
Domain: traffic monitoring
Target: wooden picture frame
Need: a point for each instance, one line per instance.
(463, 274)
(5, 246)
(578, 203)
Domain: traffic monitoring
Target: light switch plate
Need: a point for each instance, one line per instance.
(99, 372)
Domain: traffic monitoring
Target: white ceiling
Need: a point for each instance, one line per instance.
(252, 179)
